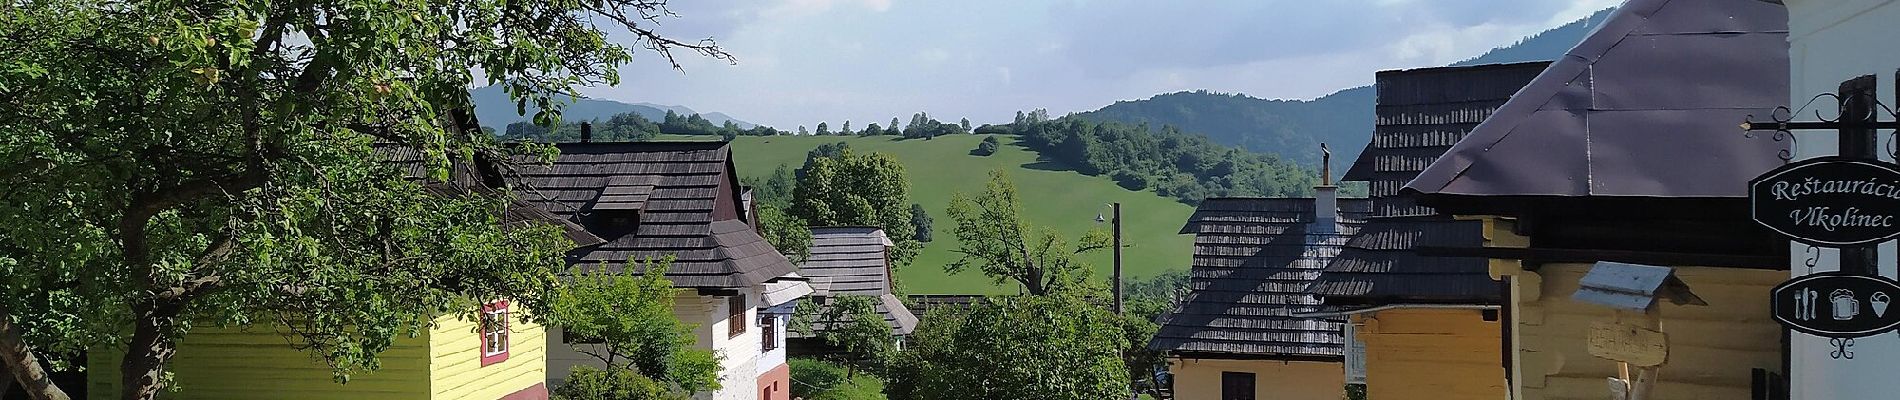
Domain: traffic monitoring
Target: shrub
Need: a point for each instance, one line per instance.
(988, 146)
(589, 383)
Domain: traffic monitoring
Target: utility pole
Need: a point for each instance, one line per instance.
(1118, 258)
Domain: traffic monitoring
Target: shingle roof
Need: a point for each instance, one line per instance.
(1380, 265)
(852, 260)
(1421, 113)
(676, 194)
(465, 179)
(1660, 85)
(1253, 259)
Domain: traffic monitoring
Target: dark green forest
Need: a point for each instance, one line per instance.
(1186, 166)
(1293, 129)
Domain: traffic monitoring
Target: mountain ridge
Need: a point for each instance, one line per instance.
(1293, 129)
(495, 110)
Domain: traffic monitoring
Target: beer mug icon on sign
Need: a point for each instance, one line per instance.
(1845, 306)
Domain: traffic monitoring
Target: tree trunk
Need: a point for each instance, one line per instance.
(23, 366)
(6, 384)
(150, 349)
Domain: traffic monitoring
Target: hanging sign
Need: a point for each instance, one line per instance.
(1838, 305)
(1829, 201)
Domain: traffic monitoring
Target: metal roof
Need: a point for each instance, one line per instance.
(1661, 85)
(687, 208)
(1253, 258)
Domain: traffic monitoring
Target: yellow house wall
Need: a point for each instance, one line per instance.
(1431, 354)
(1711, 348)
(1199, 379)
(258, 362)
(455, 353)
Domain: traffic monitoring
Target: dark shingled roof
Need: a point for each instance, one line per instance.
(1253, 259)
(465, 179)
(1380, 265)
(1662, 84)
(852, 260)
(1421, 113)
(675, 192)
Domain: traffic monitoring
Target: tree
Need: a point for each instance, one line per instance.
(823, 130)
(993, 238)
(1148, 302)
(872, 130)
(965, 123)
(987, 147)
(786, 233)
(894, 129)
(775, 190)
(1016, 347)
(852, 325)
(831, 150)
(585, 382)
(857, 189)
(625, 320)
(845, 130)
(802, 131)
(920, 219)
(172, 164)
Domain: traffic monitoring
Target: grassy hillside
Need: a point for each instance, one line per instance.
(1053, 195)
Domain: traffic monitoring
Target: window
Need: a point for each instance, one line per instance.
(494, 330)
(1236, 385)
(768, 329)
(736, 322)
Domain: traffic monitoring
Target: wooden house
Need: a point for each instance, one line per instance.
(1237, 336)
(1424, 327)
(850, 260)
(650, 200)
(498, 356)
(1627, 150)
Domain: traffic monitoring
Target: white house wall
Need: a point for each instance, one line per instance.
(741, 363)
(1832, 41)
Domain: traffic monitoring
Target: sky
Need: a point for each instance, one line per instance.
(800, 62)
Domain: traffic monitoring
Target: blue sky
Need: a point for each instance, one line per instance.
(805, 61)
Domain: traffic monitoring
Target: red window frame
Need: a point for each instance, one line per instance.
(492, 326)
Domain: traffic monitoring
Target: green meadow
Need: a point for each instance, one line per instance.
(1053, 195)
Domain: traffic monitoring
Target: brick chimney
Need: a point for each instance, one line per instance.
(587, 132)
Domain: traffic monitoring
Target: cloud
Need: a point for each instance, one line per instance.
(802, 61)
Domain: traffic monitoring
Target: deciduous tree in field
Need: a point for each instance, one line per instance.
(172, 164)
(849, 188)
(992, 238)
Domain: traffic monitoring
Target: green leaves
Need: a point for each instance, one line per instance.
(867, 189)
(625, 319)
(236, 162)
(1016, 347)
(993, 239)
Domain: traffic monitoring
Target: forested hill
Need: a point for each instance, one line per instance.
(1547, 45)
(1293, 129)
(494, 110)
